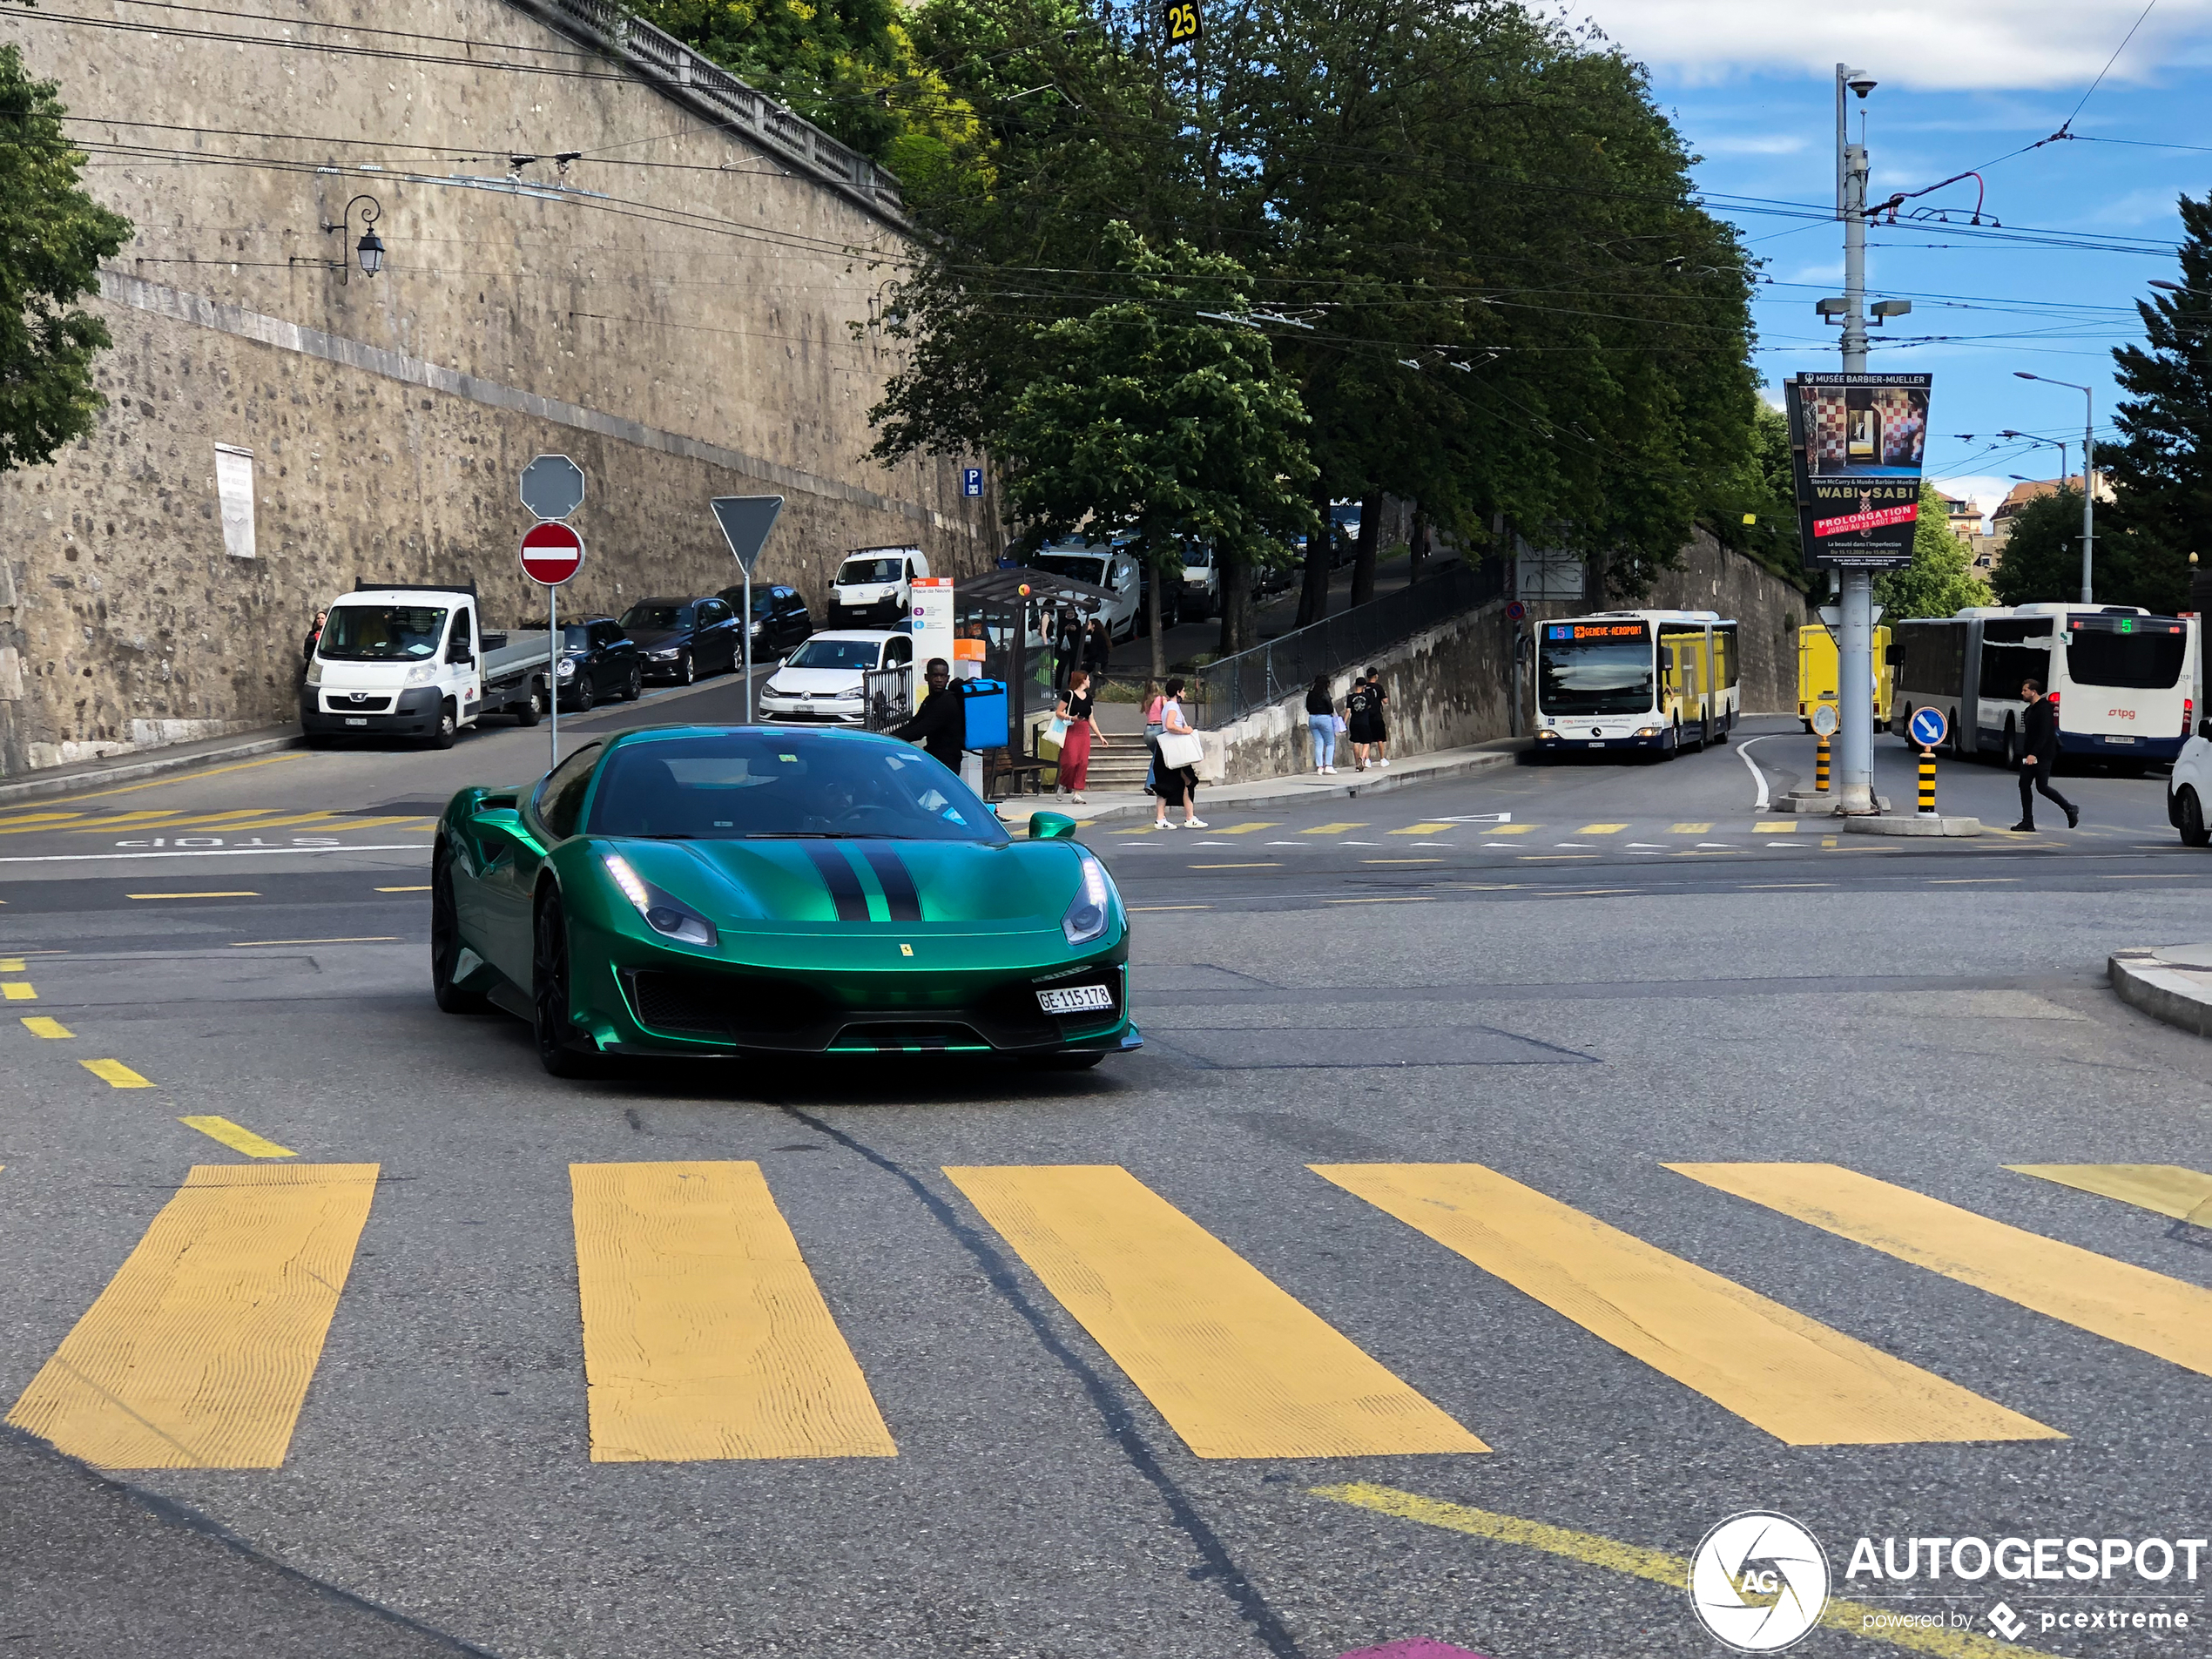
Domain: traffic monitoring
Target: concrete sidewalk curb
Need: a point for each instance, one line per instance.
(1282, 791)
(2172, 983)
(153, 762)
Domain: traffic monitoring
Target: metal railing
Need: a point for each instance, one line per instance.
(1232, 687)
(887, 697)
(668, 63)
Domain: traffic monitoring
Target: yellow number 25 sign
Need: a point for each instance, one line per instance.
(1182, 22)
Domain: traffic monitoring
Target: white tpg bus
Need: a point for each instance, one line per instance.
(1653, 680)
(2121, 677)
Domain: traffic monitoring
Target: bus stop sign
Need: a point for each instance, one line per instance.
(1928, 727)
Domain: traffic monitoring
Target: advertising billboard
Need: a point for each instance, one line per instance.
(1857, 443)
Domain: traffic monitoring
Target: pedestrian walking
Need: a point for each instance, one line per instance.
(315, 639)
(2039, 756)
(1098, 649)
(1081, 730)
(1175, 786)
(940, 727)
(1358, 711)
(1321, 721)
(1068, 641)
(1378, 717)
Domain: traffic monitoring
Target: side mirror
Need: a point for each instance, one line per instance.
(1051, 827)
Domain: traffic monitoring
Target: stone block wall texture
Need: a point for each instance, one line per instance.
(678, 312)
(1713, 577)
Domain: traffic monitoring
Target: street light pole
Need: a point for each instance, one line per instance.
(2088, 471)
(1855, 686)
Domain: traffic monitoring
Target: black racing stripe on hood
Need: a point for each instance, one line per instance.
(898, 891)
(843, 881)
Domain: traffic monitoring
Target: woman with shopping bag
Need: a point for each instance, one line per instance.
(1074, 727)
(1176, 754)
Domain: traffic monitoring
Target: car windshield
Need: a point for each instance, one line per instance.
(858, 571)
(1084, 567)
(1610, 674)
(780, 785)
(381, 633)
(1197, 554)
(2148, 655)
(658, 613)
(819, 652)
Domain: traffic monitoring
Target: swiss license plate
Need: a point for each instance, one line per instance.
(1597, 743)
(2129, 738)
(357, 719)
(1075, 999)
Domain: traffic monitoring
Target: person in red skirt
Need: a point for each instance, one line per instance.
(1076, 706)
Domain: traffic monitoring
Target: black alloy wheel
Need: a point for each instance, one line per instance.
(531, 709)
(634, 687)
(686, 669)
(445, 941)
(2194, 830)
(584, 697)
(550, 992)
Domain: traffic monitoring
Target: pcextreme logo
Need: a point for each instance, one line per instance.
(1758, 1582)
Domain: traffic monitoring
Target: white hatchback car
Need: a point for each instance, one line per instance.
(2188, 791)
(820, 683)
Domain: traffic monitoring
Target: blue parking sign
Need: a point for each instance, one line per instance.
(971, 481)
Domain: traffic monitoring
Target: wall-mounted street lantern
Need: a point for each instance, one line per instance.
(369, 250)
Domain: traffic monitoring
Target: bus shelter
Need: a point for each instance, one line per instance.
(1017, 617)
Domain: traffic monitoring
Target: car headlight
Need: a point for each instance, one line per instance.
(315, 670)
(664, 912)
(1091, 912)
(422, 674)
(668, 656)
(567, 668)
(1646, 731)
(1548, 734)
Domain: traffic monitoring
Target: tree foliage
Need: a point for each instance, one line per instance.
(52, 236)
(2043, 560)
(1941, 581)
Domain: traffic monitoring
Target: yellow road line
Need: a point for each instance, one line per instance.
(1424, 829)
(1331, 829)
(321, 820)
(1265, 864)
(1239, 829)
(365, 939)
(1510, 829)
(1592, 1549)
(1401, 860)
(704, 1335)
(1238, 1366)
(38, 818)
(1689, 829)
(188, 777)
(198, 1353)
(19, 990)
(239, 892)
(2162, 1189)
(22, 829)
(39, 1026)
(2129, 1305)
(236, 817)
(1601, 829)
(421, 889)
(1775, 826)
(115, 1074)
(10, 965)
(1801, 1381)
(238, 1138)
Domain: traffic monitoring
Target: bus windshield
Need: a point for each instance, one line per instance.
(1607, 674)
(2141, 659)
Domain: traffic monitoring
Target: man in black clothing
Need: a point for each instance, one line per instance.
(940, 727)
(2039, 739)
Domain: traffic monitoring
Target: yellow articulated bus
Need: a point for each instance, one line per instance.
(1819, 670)
(1650, 680)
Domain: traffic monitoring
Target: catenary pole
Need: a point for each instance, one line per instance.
(1855, 687)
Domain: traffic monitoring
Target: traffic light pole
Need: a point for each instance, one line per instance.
(1855, 683)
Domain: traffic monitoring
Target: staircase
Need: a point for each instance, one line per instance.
(1119, 768)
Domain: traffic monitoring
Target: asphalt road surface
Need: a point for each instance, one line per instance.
(1666, 1157)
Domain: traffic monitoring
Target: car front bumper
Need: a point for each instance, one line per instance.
(2126, 747)
(411, 713)
(1566, 741)
(799, 711)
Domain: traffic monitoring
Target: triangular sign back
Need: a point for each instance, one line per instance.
(746, 522)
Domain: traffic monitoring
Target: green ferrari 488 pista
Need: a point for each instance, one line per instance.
(749, 890)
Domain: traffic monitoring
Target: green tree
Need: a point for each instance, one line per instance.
(1157, 425)
(1941, 581)
(52, 238)
(2162, 469)
(2042, 559)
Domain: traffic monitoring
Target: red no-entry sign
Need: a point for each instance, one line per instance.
(551, 554)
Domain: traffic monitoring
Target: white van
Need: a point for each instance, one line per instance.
(874, 587)
(400, 661)
(1111, 568)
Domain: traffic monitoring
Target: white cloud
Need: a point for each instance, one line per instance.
(1985, 45)
(1986, 492)
(1771, 144)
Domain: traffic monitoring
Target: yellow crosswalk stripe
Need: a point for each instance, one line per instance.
(1424, 829)
(2129, 1304)
(1238, 1366)
(2162, 1189)
(1801, 1381)
(41, 820)
(19, 990)
(40, 1026)
(704, 1335)
(10, 965)
(1511, 829)
(115, 1074)
(1601, 829)
(1689, 829)
(294, 820)
(198, 1353)
(1239, 829)
(1775, 827)
(236, 819)
(238, 1138)
(1332, 829)
(24, 826)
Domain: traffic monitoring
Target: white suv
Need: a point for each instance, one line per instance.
(2188, 791)
(820, 683)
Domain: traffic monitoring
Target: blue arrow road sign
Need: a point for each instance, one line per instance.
(971, 481)
(1928, 727)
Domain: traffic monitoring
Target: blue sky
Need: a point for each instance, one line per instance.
(1962, 84)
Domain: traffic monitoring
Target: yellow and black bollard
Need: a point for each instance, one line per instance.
(1820, 766)
(1927, 783)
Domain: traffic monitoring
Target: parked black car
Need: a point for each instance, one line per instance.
(681, 639)
(598, 660)
(780, 617)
